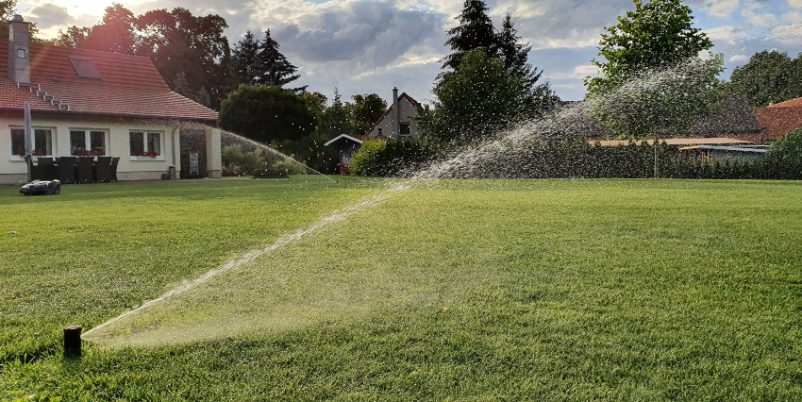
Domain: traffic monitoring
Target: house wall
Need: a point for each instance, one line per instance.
(388, 123)
(13, 168)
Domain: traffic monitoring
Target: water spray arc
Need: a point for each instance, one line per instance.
(463, 164)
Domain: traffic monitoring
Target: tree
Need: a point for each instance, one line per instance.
(514, 54)
(475, 31)
(73, 37)
(244, 59)
(366, 110)
(656, 35)
(190, 51)
(769, 77)
(179, 42)
(538, 98)
(477, 100)
(336, 118)
(272, 67)
(266, 114)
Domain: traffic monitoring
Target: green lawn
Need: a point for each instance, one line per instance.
(467, 290)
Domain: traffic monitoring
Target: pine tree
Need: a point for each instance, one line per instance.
(273, 67)
(244, 59)
(514, 54)
(475, 30)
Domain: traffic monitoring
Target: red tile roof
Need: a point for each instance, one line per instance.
(130, 87)
(780, 119)
(795, 103)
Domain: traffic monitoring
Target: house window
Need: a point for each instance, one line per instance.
(42, 142)
(380, 133)
(17, 142)
(88, 142)
(144, 143)
(404, 129)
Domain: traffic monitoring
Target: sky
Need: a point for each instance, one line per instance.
(370, 46)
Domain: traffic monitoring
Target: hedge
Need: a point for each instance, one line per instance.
(566, 159)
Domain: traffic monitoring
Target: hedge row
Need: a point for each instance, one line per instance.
(565, 159)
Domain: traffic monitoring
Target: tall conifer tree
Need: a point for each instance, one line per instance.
(475, 30)
(273, 67)
(244, 59)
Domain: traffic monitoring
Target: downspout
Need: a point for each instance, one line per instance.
(397, 107)
(172, 139)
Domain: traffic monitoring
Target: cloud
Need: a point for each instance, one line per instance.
(787, 34)
(49, 15)
(721, 8)
(738, 58)
(371, 45)
(366, 33)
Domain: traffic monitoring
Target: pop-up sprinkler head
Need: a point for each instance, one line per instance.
(72, 341)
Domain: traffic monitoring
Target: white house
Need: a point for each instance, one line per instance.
(397, 123)
(90, 103)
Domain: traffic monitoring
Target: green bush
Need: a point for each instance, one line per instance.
(569, 159)
(237, 162)
(785, 158)
(394, 158)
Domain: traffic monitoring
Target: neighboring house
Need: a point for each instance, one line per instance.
(780, 119)
(397, 123)
(91, 103)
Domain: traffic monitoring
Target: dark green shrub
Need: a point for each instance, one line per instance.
(393, 158)
(784, 161)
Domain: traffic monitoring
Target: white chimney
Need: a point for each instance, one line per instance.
(19, 66)
(397, 110)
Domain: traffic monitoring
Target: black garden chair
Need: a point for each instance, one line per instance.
(66, 169)
(46, 169)
(103, 169)
(85, 170)
(114, 161)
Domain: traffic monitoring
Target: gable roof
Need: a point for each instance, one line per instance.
(781, 118)
(358, 139)
(129, 86)
(404, 95)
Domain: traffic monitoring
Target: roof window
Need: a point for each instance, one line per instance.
(85, 68)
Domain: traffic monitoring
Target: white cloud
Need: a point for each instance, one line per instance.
(795, 3)
(721, 8)
(793, 17)
(787, 34)
(738, 58)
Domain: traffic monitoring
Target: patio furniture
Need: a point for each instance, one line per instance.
(85, 170)
(103, 169)
(41, 168)
(114, 161)
(66, 169)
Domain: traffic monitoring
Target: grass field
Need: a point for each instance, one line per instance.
(468, 290)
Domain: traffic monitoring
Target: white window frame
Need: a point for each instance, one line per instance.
(53, 142)
(88, 138)
(145, 133)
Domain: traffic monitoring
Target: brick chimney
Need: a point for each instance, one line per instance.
(19, 66)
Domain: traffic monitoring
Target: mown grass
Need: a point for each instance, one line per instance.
(483, 290)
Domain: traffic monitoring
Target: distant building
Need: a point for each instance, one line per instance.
(87, 103)
(397, 123)
(780, 119)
